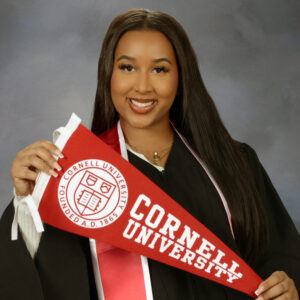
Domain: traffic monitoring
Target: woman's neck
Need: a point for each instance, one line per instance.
(150, 140)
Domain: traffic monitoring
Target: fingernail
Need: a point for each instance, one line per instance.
(258, 291)
(57, 166)
(58, 153)
(53, 173)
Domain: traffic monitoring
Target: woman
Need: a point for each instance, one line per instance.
(148, 78)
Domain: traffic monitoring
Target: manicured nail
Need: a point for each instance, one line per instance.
(58, 153)
(258, 291)
(53, 173)
(57, 166)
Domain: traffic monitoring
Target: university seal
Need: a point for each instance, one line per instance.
(92, 193)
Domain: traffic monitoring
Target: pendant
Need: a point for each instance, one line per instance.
(156, 158)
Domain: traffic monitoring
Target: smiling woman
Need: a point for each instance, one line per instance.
(149, 83)
(143, 88)
(144, 79)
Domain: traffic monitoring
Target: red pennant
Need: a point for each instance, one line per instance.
(101, 196)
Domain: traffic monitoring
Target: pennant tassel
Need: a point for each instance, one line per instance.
(33, 211)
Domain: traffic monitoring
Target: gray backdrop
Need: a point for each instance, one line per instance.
(249, 54)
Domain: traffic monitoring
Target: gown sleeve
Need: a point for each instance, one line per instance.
(61, 269)
(19, 279)
(283, 251)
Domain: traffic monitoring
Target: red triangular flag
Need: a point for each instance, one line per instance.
(101, 196)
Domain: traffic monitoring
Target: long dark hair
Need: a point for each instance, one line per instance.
(195, 115)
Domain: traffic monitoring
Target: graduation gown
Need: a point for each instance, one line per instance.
(62, 267)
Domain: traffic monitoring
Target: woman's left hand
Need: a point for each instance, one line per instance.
(278, 286)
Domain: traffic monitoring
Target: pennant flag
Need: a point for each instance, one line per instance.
(101, 196)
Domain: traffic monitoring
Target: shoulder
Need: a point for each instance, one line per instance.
(246, 148)
(249, 153)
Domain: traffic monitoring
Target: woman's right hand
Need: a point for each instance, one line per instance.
(39, 156)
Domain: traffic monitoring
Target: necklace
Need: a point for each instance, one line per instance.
(154, 156)
(157, 157)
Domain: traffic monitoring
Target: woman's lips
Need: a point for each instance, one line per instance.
(141, 106)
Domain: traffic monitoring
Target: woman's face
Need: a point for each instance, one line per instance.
(144, 79)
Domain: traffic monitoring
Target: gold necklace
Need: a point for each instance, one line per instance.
(156, 156)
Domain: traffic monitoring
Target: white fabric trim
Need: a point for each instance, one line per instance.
(147, 279)
(122, 141)
(145, 266)
(61, 136)
(97, 275)
(32, 210)
(224, 201)
(25, 222)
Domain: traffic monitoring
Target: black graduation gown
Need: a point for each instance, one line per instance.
(62, 268)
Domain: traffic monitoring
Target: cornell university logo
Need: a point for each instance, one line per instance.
(92, 193)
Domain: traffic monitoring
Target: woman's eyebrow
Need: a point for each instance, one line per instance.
(126, 57)
(156, 60)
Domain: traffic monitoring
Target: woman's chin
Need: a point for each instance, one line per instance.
(139, 124)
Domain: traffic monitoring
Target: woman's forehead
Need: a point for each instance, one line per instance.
(144, 44)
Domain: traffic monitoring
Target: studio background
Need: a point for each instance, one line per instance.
(249, 56)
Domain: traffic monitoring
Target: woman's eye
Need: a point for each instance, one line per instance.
(126, 67)
(161, 69)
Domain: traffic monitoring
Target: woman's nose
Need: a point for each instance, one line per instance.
(143, 83)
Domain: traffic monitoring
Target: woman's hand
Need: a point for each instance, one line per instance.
(278, 286)
(39, 156)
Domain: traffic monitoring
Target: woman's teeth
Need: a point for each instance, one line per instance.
(141, 104)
